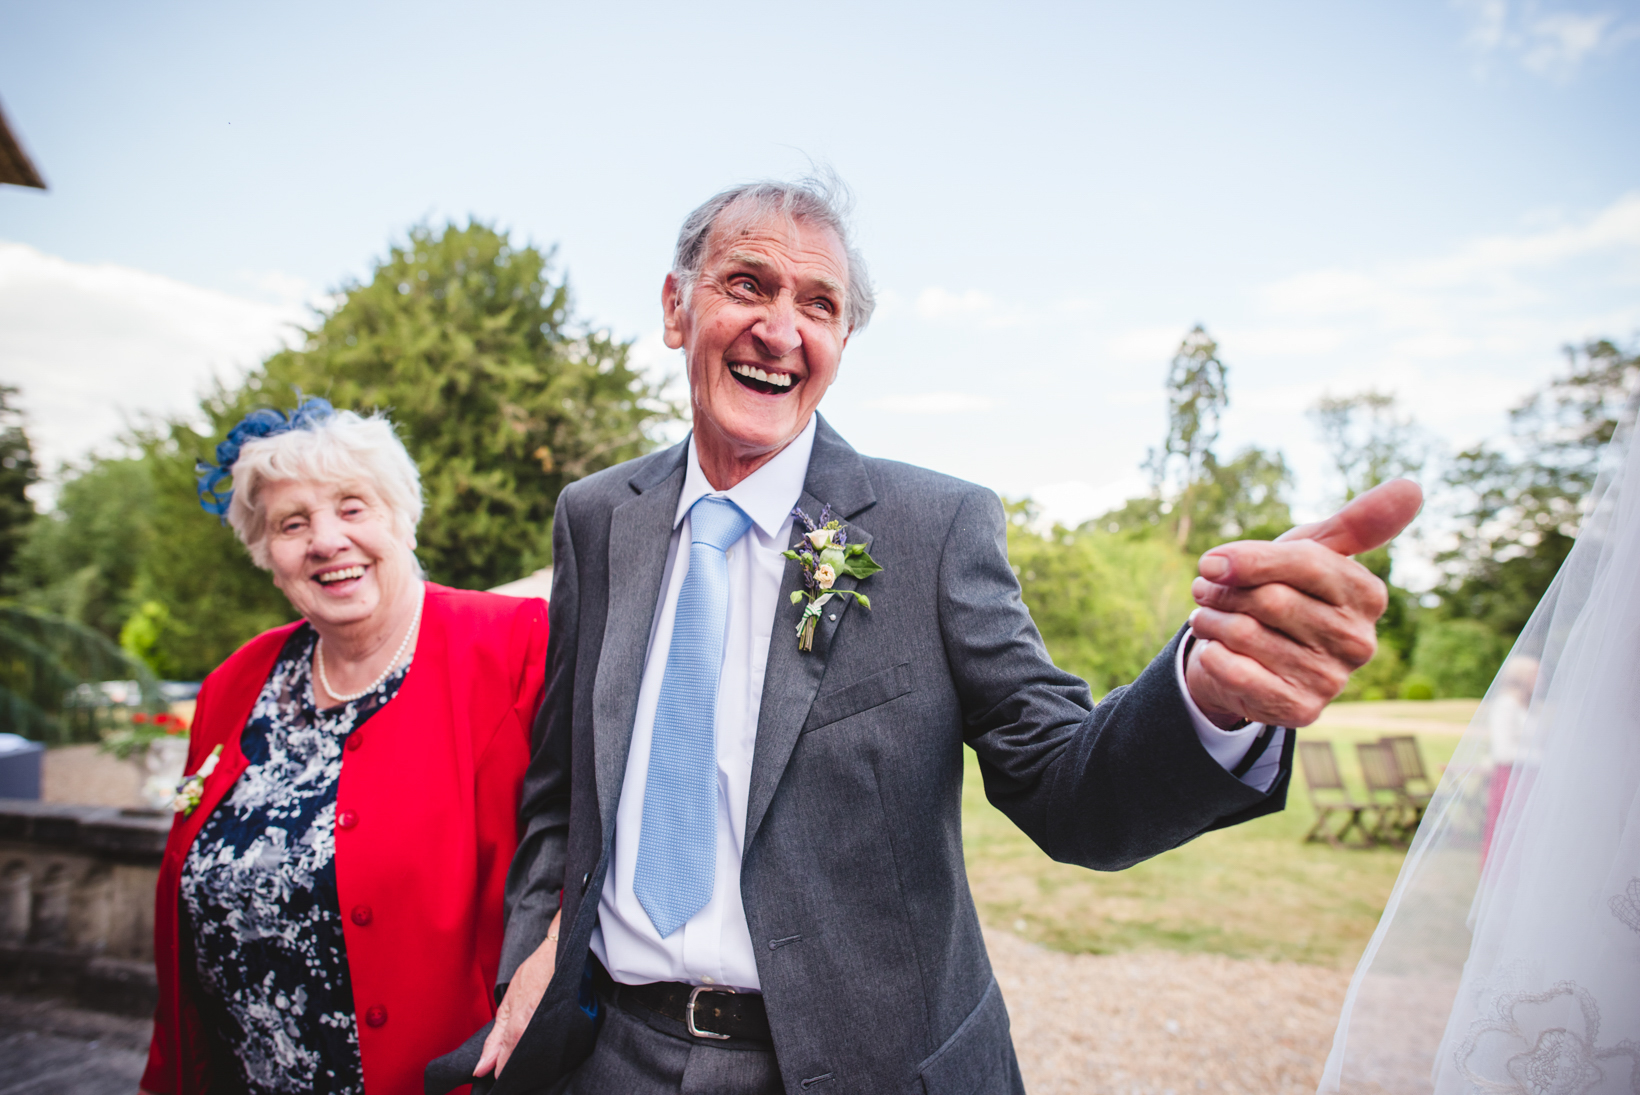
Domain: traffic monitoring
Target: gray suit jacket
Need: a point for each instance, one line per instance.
(869, 950)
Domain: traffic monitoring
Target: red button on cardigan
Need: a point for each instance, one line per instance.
(376, 1016)
(362, 915)
(346, 819)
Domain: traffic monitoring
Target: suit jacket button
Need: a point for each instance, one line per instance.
(346, 819)
(585, 878)
(354, 740)
(376, 1016)
(362, 916)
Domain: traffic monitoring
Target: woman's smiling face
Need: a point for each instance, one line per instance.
(333, 550)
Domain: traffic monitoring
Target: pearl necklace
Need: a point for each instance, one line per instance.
(319, 659)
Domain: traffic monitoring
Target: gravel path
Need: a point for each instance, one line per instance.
(1130, 1024)
(1165, 1024)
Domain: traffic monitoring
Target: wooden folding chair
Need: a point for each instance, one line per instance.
(1329, 796)
(1410, 760)
(1386, 792)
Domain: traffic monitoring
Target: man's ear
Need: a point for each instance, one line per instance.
(672, 312)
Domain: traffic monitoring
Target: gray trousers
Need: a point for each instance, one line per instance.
(641, 1053)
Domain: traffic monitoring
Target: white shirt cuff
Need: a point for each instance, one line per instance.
(1229, 747)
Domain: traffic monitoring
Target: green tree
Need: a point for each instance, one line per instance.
(1371, 441)
(1518, 505)
(43, 659)
(1241, 499)
(80, 560)
(1104, 603)
(196, 597)
(1460, 657)
(501, 396)
(1197, 395)
(18, 472)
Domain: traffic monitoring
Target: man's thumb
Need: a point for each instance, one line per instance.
(1374, 518)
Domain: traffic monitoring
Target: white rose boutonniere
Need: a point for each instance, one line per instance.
(192, 788)
(825, 554)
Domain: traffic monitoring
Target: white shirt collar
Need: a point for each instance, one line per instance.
(767, 495)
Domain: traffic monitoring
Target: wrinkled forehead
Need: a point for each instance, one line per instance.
(750, 225)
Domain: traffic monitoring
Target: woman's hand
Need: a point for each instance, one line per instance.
(524, 992)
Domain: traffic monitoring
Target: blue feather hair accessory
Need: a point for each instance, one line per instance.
(265, 422)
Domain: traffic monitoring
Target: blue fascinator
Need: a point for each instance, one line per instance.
(265, 422)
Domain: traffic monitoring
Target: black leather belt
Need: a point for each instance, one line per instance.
(715, 1014)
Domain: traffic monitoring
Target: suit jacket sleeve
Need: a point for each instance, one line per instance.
(536, 879)
(1105, 786)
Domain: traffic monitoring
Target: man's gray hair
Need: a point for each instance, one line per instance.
(819, 199)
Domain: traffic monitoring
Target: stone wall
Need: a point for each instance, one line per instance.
(77, 901)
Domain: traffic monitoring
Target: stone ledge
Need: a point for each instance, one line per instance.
(114, 985)
(128, 836)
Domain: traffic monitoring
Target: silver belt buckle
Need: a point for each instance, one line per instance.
(689, 1010)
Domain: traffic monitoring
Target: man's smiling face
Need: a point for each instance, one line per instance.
(763, 331)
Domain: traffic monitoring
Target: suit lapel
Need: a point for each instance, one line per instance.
(836, 476)
(640, 531)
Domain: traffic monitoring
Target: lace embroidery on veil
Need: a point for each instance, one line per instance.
(1506, 955)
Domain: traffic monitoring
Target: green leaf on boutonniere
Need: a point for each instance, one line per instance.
(792, 555)
(861, 565)
(797, 594)
(865, 602)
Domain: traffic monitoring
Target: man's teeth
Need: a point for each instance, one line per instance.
(752, 372)
(341, 575)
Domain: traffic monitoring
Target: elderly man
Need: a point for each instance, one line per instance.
(741, 869)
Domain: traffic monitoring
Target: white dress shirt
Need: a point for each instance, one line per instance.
(715, 946)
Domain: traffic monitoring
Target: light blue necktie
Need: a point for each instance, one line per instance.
(677, 849)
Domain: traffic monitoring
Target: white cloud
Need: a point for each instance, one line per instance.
(1073, 502)
(1488, 297)
(1143, 345)
(95, 347)
(936, 303)
(931, 403)
(1551, 43)
(1461, 335)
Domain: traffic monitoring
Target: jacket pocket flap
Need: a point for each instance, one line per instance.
(979, 1055)
(862, 695)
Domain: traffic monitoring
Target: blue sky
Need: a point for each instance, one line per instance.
(1430, 198)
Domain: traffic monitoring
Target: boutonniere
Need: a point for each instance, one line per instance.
(192, 788)
(825, 555)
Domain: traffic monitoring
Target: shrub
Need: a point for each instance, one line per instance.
(1416, 686)
(1459, 657)
(1377, 679)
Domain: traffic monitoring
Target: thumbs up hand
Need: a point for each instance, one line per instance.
(1283, 623)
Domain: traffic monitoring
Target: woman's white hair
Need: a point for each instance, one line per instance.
(343, 448)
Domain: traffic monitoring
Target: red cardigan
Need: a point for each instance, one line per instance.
(431, 786)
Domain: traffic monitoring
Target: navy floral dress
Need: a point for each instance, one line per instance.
(263, 951)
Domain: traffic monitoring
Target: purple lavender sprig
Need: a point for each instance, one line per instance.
(822, 564)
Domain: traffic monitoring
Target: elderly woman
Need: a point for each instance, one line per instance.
(329, 913)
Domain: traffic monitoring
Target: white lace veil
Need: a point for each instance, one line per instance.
(1517, 968)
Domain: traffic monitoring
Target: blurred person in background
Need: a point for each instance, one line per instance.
(1506, 734)
(341, 844)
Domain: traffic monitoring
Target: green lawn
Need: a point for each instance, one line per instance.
(1252, 891)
